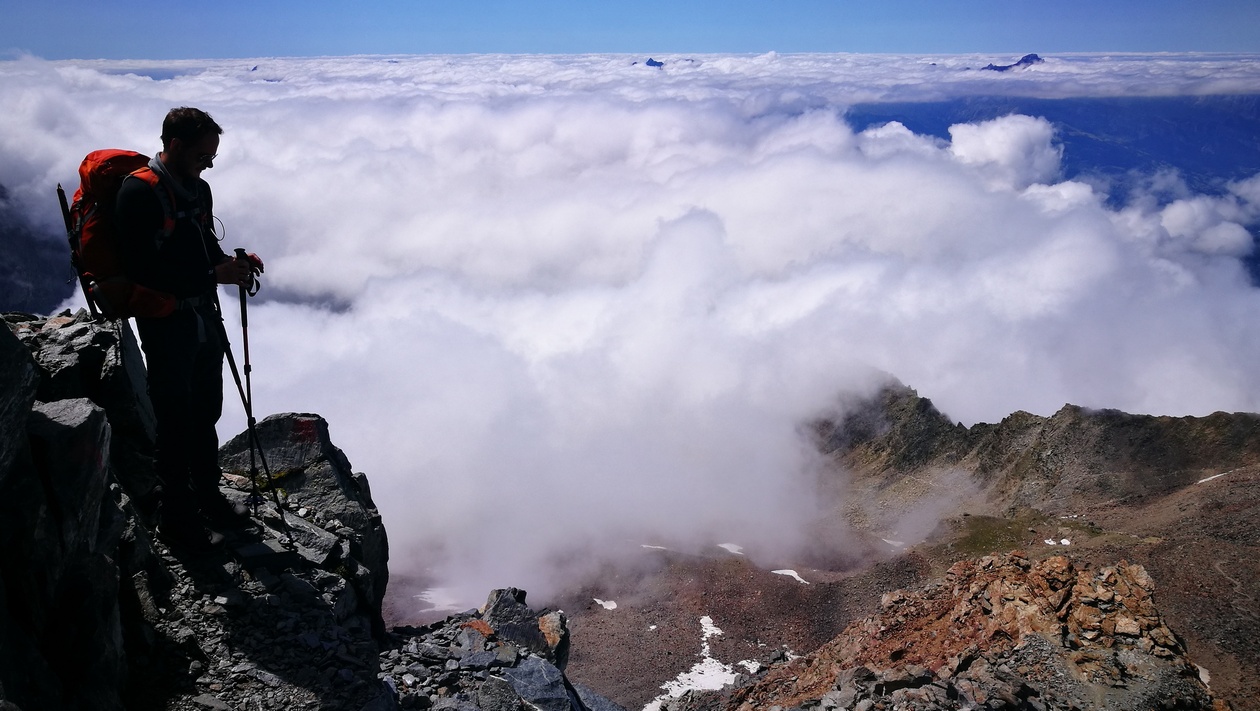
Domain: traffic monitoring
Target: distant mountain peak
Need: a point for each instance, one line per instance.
(1025, 61)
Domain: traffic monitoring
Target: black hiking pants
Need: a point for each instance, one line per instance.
(184, 355)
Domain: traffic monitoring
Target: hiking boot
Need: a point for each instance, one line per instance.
(223, 513)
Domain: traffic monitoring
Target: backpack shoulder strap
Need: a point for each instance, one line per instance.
(165, 196)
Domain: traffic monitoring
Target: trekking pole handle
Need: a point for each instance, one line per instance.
(249, 289)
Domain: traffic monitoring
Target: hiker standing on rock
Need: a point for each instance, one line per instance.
(168, 244)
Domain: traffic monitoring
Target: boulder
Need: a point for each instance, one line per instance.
(70, 448)
(81, 358)
(541, 685)
(545, 633)
(323, 495)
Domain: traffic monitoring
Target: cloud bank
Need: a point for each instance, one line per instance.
(551, 303)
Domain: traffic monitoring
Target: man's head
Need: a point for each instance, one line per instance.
(190, 141)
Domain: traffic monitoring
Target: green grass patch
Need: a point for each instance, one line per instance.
(972, 536)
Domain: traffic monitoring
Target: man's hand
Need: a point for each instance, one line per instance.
(237, 271)
(255, 263)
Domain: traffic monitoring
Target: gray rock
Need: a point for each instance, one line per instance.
(513, 621)
(80, 358)
(313, 543)
(497, 694)
(211, 702)
(298, 588)
(593, 701)
(433, 652)
(70, 445)
(455, 704)
(102, 605)
(317, 476)
(541, 684)
(478, 660)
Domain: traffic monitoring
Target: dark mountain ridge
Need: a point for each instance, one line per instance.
(1076, 458)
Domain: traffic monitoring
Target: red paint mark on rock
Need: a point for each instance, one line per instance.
(305, 431)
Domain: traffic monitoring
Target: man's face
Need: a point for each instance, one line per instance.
(189, 159)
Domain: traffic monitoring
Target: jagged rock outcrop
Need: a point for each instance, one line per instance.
(332, 519)
(81, 359)
(997, 632)
(73, 559)
(97, 614)
(63, 528)
(503, 656)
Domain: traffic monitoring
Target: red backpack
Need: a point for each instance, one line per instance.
(95, 245)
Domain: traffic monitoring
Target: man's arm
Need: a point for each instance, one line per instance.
(227, 269)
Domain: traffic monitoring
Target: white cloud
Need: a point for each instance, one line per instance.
(585, 302)
(1208, 225)
(1012, 151)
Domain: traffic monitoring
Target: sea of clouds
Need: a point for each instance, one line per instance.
(549, 303)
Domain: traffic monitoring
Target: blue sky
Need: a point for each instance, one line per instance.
(147, 29)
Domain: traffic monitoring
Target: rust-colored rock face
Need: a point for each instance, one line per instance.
(1050, 634)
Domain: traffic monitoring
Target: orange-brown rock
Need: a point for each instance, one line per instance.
(1000, 627)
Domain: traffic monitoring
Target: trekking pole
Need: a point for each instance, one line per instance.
(245, 390)
(236, 377)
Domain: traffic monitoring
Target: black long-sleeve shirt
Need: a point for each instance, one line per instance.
(183, 264)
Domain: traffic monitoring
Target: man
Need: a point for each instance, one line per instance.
(168, 243)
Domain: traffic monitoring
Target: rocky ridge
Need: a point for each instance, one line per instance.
(1074, 460)
(1176, 496)
(998, 632)
(96, 613)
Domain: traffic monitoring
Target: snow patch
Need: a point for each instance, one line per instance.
(653, 548)
(791, 574)
(894, 544)
(441, 600)
(731, 547)
(1215, 476)
(606, 604)
(708, 674)
(1051, 542)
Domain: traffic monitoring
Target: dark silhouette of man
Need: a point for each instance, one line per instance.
(168, 243)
